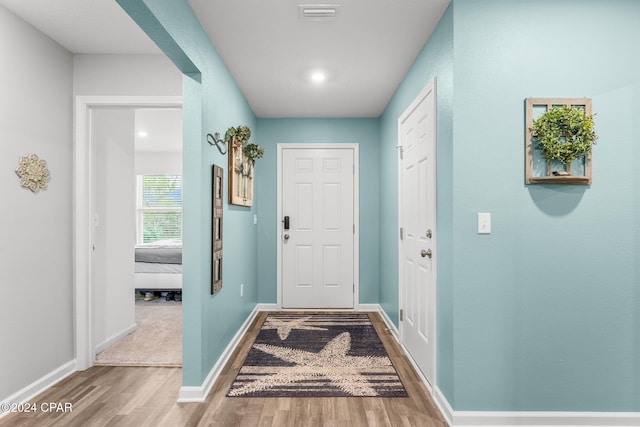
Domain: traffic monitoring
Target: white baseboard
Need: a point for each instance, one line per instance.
(368, 307)
(531, 418)
(115, 338)
(544, 419)
(199, 393)
(40, 385)
(266, 307)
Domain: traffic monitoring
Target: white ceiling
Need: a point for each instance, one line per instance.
(365, 52)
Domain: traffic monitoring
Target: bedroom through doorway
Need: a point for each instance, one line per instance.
(137, 236)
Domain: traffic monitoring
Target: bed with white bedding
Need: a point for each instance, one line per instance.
(158, 268)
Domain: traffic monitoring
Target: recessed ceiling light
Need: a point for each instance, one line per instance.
(143, 134)
(318, 77)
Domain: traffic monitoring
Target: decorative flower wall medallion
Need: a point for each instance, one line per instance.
(33, 173)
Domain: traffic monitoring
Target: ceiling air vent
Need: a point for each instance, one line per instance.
(318, 12)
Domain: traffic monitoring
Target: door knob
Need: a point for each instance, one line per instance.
(426, 253)
(285, 237)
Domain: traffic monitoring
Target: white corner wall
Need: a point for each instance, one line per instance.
(36, 308)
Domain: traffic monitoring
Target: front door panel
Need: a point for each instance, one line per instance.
(318, 247)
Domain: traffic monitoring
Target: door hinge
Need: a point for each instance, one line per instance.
(354, 229)
(401, 153)
(401, 315)
(401, 233)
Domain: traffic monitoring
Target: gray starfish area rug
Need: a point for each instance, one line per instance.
(317, 355)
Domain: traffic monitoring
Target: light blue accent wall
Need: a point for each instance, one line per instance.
(435, 60)
(212, 103)
(364, 132)
(543, 313)
(545, 307)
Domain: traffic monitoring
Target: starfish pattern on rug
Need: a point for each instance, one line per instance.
(332, 362)
(284, 327)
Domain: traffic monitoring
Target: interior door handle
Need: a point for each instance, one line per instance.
(426, 253)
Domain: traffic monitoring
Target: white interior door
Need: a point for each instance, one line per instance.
(417, 132)
(318, 247)
(114, 226)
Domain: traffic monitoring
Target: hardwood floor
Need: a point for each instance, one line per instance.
(133, 396)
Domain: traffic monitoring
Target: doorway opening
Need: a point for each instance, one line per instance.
(106, 215)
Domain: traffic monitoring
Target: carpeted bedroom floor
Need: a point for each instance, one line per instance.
(157, 341)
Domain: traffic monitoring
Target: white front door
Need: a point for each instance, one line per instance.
(417, 133)
(317, 229)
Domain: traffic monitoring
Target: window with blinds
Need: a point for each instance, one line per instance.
(159, 209)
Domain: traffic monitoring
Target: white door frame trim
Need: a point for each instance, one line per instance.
(430, 87)
(356, 213)
(82, 201)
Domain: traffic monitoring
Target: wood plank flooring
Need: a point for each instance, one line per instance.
(134, 396)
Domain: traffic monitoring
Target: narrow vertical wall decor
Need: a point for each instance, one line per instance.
(216, 238)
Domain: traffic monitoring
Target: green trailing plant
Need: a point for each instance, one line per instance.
(253, 151)
(242, 134)
(564, 133)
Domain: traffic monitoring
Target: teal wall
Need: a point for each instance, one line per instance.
(364, 132)
(545, 307)
(212, 103)
(542, 314)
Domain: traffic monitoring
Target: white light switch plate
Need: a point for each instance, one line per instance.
(484, 223)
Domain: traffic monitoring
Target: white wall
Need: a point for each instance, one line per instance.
(126, 75)
(115, 229)
(36, 307)
(158, 163)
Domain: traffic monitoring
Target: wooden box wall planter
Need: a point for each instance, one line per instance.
(539, 170)
(241, 172)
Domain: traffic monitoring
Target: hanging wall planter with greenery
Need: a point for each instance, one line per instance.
(239, 137)
(242, 158)
(564, 133)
